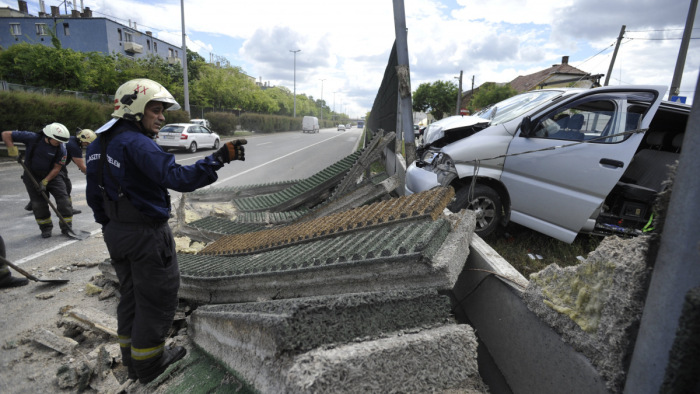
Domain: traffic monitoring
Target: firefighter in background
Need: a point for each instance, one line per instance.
(45, 154)
(74, 148)
(128, 177)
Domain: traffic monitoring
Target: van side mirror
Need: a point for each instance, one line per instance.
(526, 127)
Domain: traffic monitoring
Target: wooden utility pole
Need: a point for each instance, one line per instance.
(680, 63)
(612, 61)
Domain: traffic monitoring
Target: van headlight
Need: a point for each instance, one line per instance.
(445, 169)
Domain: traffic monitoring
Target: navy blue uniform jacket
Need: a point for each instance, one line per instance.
(143, 170)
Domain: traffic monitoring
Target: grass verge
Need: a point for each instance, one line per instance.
(529, 251)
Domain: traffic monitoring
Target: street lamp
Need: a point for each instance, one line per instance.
(295, 81)
(322, 101)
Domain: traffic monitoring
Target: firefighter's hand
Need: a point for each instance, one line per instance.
(42, 186)
(12, 151)
(232, 150)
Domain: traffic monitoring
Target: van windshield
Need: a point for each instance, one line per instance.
(515, 106)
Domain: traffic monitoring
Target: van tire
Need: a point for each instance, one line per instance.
(487, 205)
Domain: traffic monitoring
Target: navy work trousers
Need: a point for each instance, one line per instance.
(143, 256)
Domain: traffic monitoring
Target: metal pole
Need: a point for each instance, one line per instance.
(322, 101)
(676, 269)
(612, 61)
(295, 81)
(184, 59)
(680, 63)
(404, 124)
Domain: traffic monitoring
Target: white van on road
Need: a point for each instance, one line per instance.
(558, 161)
(309, 124)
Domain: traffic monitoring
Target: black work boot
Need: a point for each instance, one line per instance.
(169, 357)
(28, 207)
(11, 281)
(76, 211)
(46, 232)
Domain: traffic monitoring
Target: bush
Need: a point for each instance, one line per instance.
(269, 123)
(223, 123)
(33, 111)
(179, 116)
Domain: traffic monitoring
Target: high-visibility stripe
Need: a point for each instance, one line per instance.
(68, 219)
(124, 341)
(44, 221)
(145, 354)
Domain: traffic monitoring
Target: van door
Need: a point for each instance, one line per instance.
(559, 175)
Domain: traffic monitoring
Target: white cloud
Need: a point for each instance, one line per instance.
(348, 43)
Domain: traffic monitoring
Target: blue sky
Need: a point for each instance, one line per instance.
(346, 43)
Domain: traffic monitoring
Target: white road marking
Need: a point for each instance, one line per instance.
(271, 161)
(47, 251)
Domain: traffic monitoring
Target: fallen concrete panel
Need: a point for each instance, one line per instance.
(530, 355)
(596, 306)
(424, 254)
(388, 341)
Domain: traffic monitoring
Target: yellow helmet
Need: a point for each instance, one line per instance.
(57, 131)
(86, 135)
(131, 98)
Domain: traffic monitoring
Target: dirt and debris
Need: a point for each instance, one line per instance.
(62, 337)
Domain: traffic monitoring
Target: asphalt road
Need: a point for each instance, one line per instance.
(269, 158)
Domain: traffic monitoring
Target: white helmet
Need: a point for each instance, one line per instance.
(131, 98)
(57, 131)
(86, 135)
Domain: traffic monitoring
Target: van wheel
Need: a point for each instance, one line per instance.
(216, 144)
(485, 202)
(193, 147)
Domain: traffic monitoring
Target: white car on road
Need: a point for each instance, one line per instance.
(187, 136)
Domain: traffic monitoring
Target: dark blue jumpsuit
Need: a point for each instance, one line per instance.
(139, 240)
(41, 157)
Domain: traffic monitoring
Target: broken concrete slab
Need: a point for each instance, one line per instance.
(302, 345)
(60, 344)
(596, 305)
(302, 324)
(95, 318)
(435, 360)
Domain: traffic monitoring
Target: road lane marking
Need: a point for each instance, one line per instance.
(49, 250)
(271, 161)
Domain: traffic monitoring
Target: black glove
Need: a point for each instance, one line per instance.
(232, 150)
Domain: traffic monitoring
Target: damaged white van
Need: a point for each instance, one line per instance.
(559, 161)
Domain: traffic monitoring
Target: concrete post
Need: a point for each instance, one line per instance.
(404, 83)
(676, 271)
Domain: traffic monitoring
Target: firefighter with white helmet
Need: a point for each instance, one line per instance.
(44, 157)
(128, 177)
(74, 148)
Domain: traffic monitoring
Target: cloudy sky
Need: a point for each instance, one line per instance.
(346, 43)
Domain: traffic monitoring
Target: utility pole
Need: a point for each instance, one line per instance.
(459, 94)
(612, 61)
(295, 81)
(680, 63)
(184, 59)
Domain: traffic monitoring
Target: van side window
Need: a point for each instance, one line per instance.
(584, 121)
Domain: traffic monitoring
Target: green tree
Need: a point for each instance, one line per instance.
(490, 93)
(437, 98)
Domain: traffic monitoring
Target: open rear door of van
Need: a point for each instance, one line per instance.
(558, 177)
